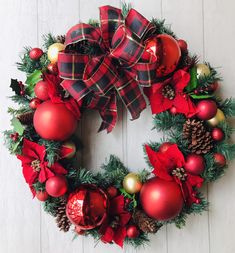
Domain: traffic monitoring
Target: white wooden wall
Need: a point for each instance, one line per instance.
(209, 28)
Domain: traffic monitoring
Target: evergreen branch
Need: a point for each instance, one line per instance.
(161, 27)
(125, 8)
(51, 205)
(165, 121)
(227, 106)
(48, 40)
(52, 150)
(227, 149)
(21, 100)
(141, 241)
(21, 110)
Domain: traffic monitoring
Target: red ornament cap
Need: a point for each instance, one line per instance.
(87, 206)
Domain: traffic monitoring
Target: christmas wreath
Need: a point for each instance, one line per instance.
(127, 57)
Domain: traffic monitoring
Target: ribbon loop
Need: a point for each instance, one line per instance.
(120, 66)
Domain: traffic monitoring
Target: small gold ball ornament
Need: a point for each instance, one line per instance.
(53, 51)
(219, 117)
(131, 183)
(202, 70)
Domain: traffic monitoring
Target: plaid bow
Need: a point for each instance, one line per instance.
(121, 66)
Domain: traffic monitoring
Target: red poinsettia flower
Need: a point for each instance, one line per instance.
(170, 93)
(114, 228)
(169, 165)
(34, 165)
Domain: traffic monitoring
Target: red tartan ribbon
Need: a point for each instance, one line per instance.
(122, 66)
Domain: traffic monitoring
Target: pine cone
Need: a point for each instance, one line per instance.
(60, 39)
(145, 223)
(200, 140)
(61, 218)
(26, 118)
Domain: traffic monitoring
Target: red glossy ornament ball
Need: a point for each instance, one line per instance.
(52, 68)
(54, 121)
(42, 195)
(160, 199)
(183, 45)
(56, 186)
(87, 207)
(168, 53)
(217, 134)
(41, 90)
(164, 147)
(112, 191)
(132, 231)
(206, 109)
(34, 103)
(220, 159)
(194, 164)
(35, 53)
(173, 110)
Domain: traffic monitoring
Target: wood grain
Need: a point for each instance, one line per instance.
(209, 28)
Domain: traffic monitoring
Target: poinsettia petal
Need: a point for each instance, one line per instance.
(34, 150)
(44, 174)
(124, 218)
(184, 105)
(25, 159)
(29, 174)
(58, 168)
(158, 103)
(107, 237)
(194, 180)
(160, 163)
(180, 79)
(119, 236)
(117, 205)
(175, 156)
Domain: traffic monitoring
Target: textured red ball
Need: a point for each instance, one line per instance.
(194, 164)
(42, 195)
(87, 207)
(41, 90)
(132, 231)
(219, 159)
(183, 45)
(34, 103)
(217, 134)
(206, 109)
(35, 53)
(160, 199)
(164, 147)
(54, 121)
(56, 186)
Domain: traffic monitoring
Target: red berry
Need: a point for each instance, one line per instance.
(164, 147)
(197, 201)
(132, 231)
(52, 68)
(34, 103)
(14, 136)
(22, 92)
(35, 53)
(42, 195)
(183, 45)
(173, 110)
(219, 159)
(217, 134)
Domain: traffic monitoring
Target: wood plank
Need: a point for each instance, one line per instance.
(185, 18)
(139, 131)
(57, 17)
(20, 215)
(219, 51)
